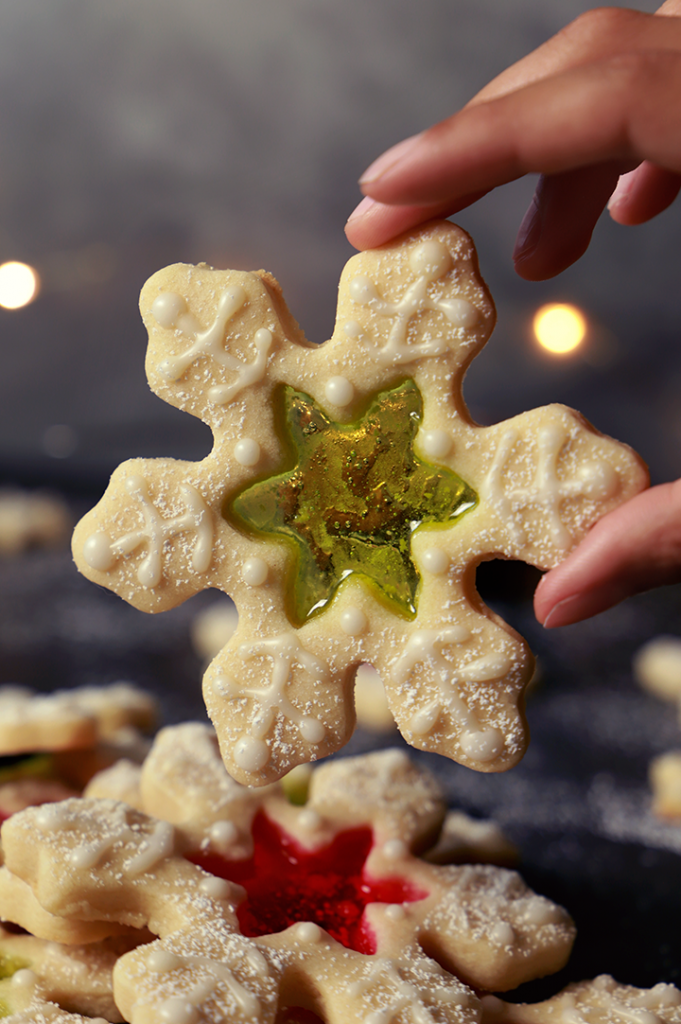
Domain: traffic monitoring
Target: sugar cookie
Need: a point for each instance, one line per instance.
(601, 1001)
(657, 667)
(346, 503)
(332, 910)
(32, 519)
(70, 719)
(664, 773)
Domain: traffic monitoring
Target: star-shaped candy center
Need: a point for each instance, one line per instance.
(287, 883)
(352, 499)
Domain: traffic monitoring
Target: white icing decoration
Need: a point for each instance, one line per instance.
(24, 978)
(150, 849)
(160, 961)
(430, 261)
(215, 888)
(396, 912)
(154, 532)
(339, 391)
(170, 310)
(251, 752)
(223, 833)
(385, 984)
(593, 480)
(395, 849)
(422, 647)
(178, 1010)
(353, 621)
(309, 820)
(254, 571)
(502, 934)
(218, 974)
(307, 932)
(352, 329)
(435, 443)
(540, 912)
(247, 452)
(482, 745)
(435, 561)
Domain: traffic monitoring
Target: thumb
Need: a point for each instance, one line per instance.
(633, 548)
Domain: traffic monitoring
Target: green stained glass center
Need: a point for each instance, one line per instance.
(352, 500)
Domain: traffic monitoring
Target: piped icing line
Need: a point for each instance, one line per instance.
(423, 647)
(171, 311)
(547, 491)
(271, 699)
(101, 553)
(333, 483)
(431, 261)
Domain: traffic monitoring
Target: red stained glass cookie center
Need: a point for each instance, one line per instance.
(285, 884)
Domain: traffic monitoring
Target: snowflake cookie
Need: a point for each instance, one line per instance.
(331, 911)
(346, 503)
(601, 1001)
(43, 981)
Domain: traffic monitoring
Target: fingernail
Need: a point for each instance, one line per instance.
(560, 614)
(389, 159)
(361, 209)
(529, 232)
(622, 190)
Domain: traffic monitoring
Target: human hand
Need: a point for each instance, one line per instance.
(596, 109)
(599, 100)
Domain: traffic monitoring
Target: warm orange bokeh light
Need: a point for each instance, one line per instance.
(19, 285)
(559, 328)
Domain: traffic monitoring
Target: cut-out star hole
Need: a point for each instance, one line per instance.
(287, 884)
(354, 497)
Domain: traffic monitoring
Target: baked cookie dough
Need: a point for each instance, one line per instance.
(346, 503)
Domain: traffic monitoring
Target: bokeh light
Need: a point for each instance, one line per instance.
(559, 328)
(19, 285)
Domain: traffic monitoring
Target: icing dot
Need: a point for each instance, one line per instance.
(24, 978)
(247, 451)
(97, 552)
(395, 849)
(178, 1010)
(460, 312)
(223, 833)
(363, 290)
(430, 260)
(435, 443)
(254, 571)
(599, 479)
(312, 730)
(251, 753)
(339, 391)
(309, 819)
(502, 934)
(352, 329)
(216, 888)
(162, 960)
(308, 931)
(484, 745)
(435, 561)
(168, 308)
(395, 912)
(540, 912)
(353, 621)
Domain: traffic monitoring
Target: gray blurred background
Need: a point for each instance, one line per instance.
(138, 133)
